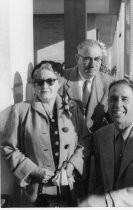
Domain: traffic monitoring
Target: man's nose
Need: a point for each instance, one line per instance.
(119, 102)
(91, 62)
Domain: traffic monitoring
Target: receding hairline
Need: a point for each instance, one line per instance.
(89, 43)
(121, 82)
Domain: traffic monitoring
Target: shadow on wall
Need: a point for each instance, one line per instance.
(29, 87)
(7, 178)
(17, 88)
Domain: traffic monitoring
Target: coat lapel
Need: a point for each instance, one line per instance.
(107, 151)
(61, 124)
(99, 86)
(37, 105)
(128, 154)
(59, 106)
(67, 133)
(95, 98)
(72, 85)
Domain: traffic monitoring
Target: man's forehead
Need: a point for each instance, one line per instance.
(121, 89)
(91, 49)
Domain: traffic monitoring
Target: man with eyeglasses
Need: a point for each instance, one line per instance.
(89, 86)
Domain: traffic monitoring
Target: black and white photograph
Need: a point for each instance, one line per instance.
(66, 103)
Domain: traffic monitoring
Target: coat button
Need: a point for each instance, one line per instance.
(56, 132)
(66, 146)
(57, 143)
(65, 129)
(48, 166)
(45, 149)
(56, 154)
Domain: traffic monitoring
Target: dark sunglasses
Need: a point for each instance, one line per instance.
(49, 81)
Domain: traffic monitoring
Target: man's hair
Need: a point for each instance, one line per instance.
(88, 42)
(121, 82)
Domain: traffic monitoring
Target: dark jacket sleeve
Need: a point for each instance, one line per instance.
(98, 187)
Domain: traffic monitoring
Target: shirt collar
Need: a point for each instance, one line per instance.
(124, 133)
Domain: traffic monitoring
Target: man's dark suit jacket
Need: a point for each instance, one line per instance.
(104, 154)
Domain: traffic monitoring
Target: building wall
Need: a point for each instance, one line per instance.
(116, 51)
(129, 39)
(16, 56)
(48, 34)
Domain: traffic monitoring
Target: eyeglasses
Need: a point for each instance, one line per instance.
(89, 59)
(49, 81)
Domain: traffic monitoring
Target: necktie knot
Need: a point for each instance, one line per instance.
(119, 137)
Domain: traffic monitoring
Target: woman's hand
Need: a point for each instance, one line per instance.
(69, 170)
(42, 174)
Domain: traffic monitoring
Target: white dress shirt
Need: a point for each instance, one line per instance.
(81, 83)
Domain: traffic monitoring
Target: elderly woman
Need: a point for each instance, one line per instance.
(45, 143)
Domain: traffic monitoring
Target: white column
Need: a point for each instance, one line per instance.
(16, 49)
(16, 59)
(5, 71)
(118, 44)
(131, 41)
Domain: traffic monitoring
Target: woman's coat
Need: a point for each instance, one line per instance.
(26, 143)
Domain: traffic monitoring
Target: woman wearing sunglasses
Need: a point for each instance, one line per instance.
(45, 144)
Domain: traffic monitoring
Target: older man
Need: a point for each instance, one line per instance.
(87, 85)
(114, 151)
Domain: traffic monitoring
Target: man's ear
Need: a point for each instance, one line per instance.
(77, 57)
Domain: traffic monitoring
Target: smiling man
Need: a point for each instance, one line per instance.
(121, 104)
(86, 84)
(114, 151)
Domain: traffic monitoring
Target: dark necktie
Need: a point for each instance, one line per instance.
(86, 93)
(119, 146)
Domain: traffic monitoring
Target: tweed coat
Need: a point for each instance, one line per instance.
(104, 153)
(97, 106)
(26, 143)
